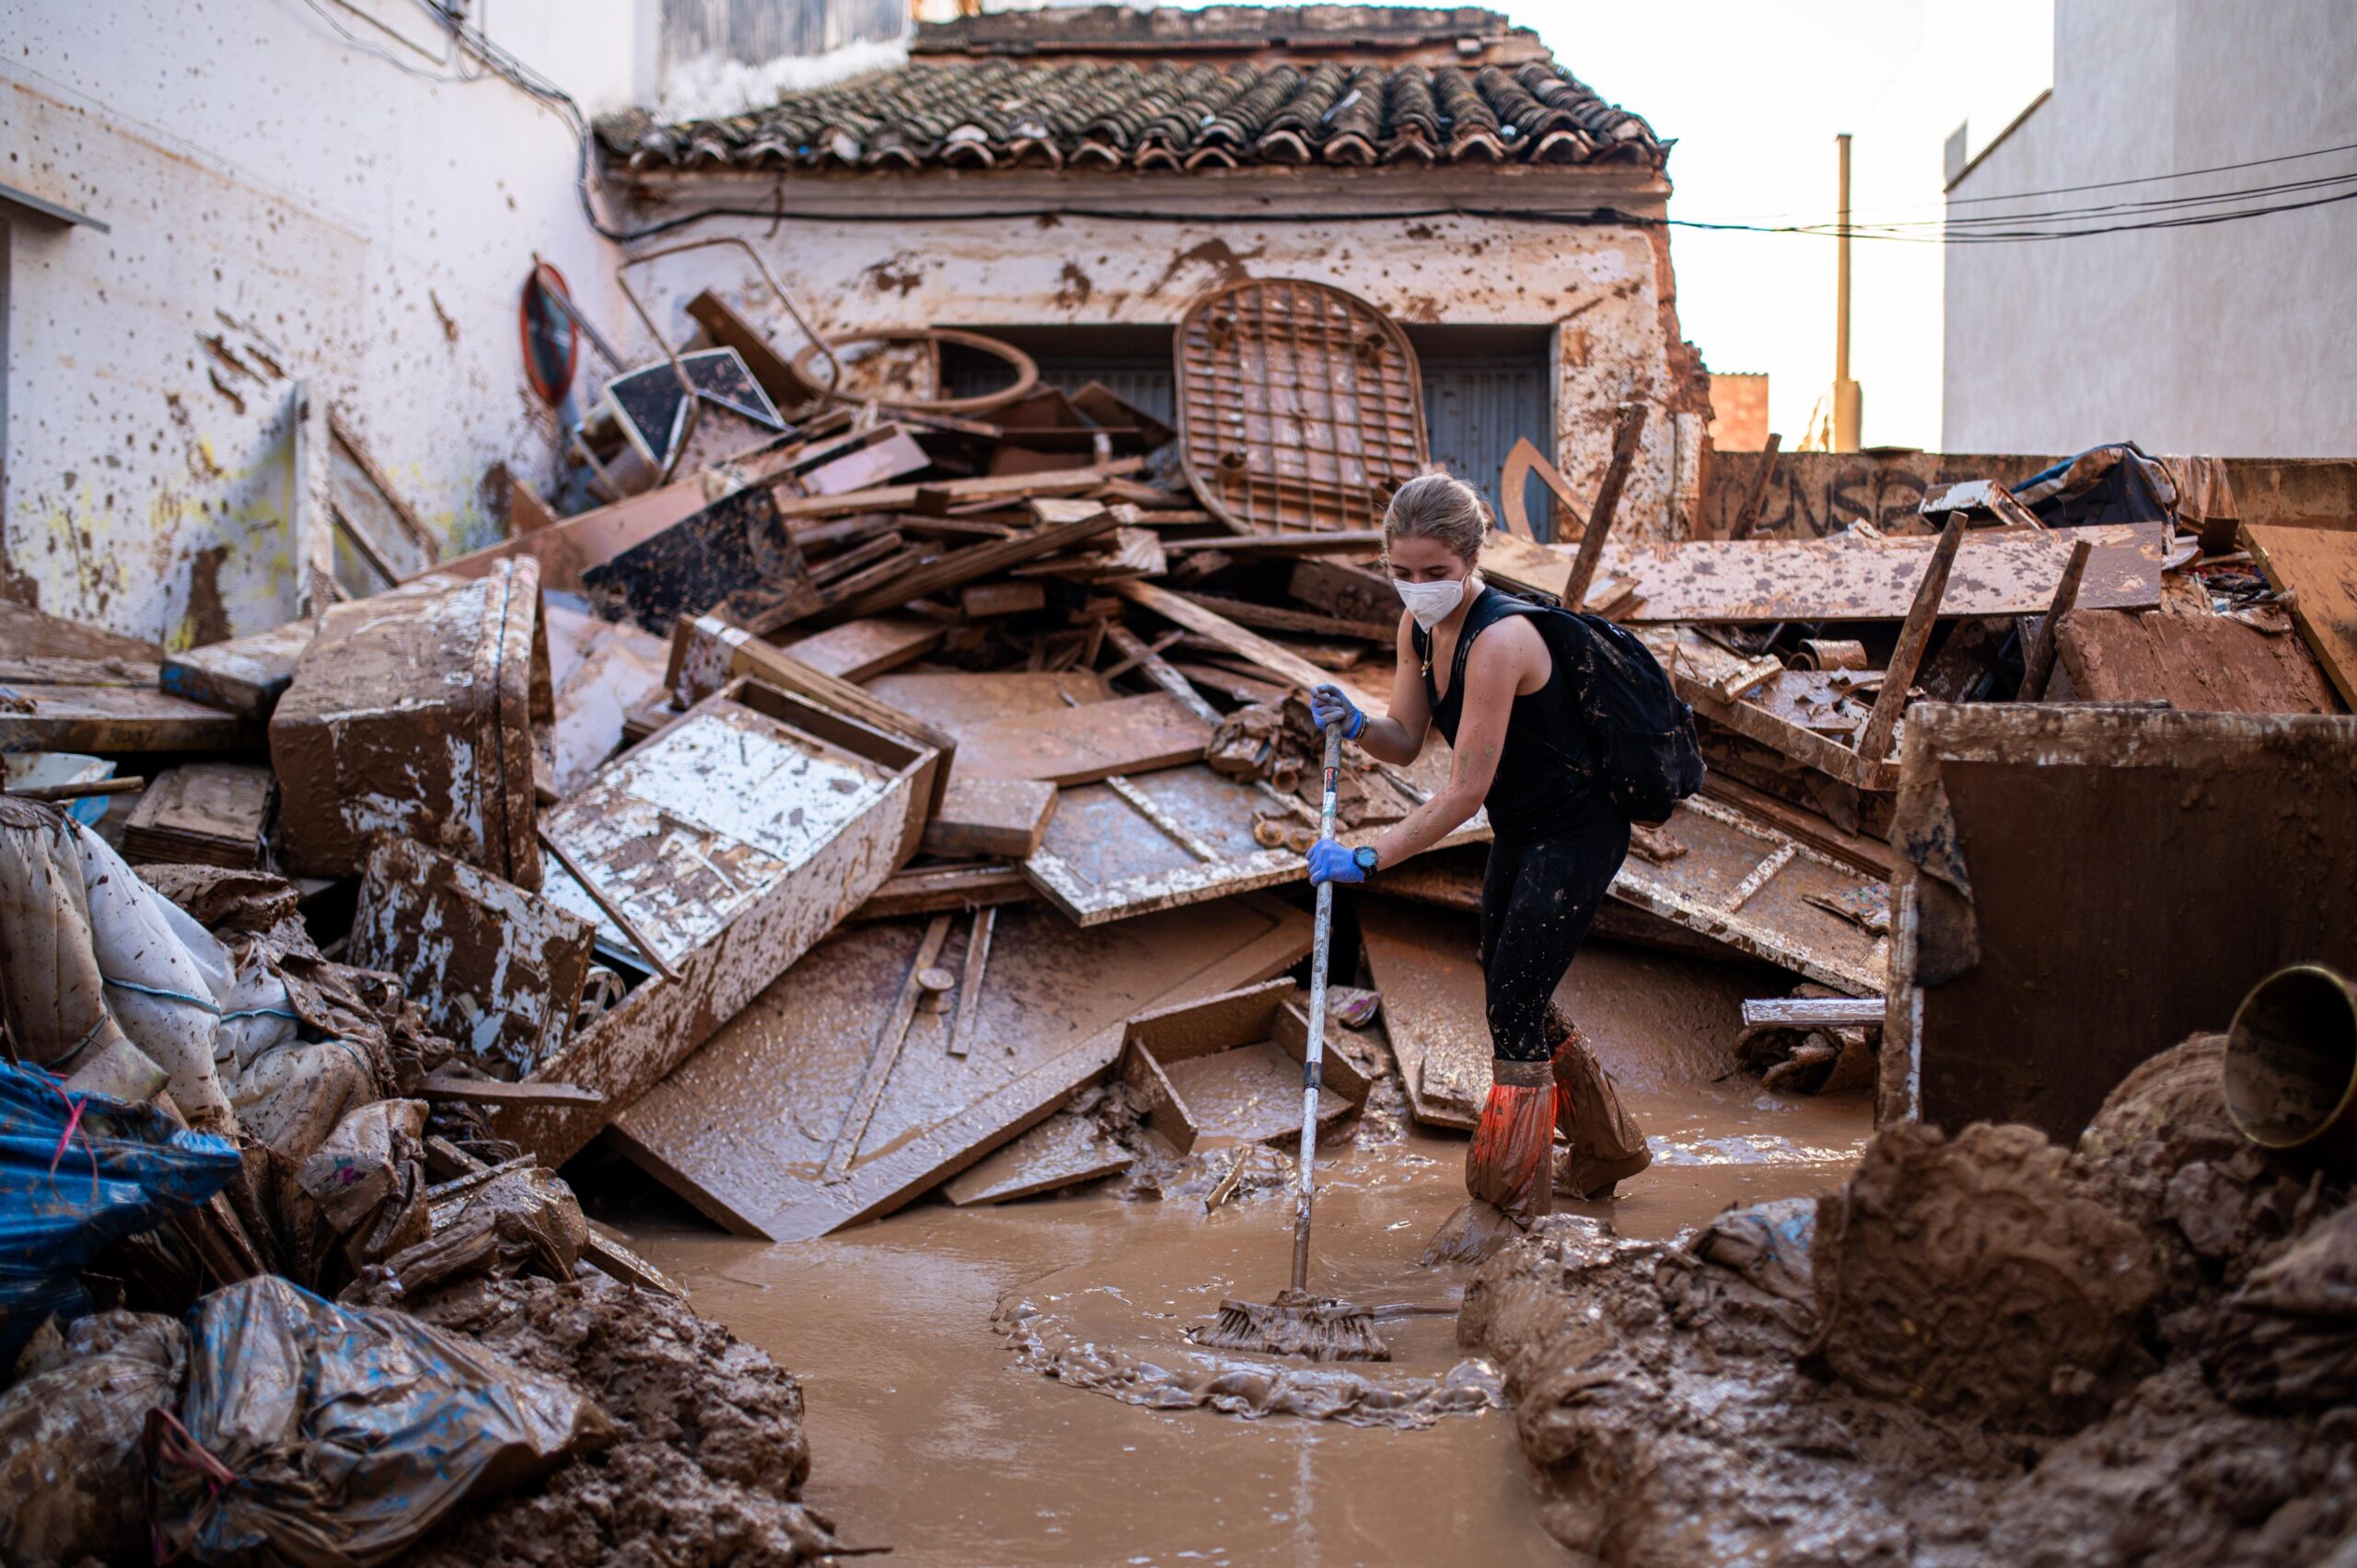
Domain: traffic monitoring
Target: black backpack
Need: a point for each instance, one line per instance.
(1645, 745)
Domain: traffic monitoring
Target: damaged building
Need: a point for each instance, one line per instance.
(687, 752)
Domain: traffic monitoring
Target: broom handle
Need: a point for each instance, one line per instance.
(1313, 1060)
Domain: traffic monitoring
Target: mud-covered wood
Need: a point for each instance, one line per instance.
(1065, 1149)
(2201, 662)
(1426, 965)
(735, 839)
(2318, 569)
(858, 649)
(1299, 406)
(574, 544)
(204, 814)
(497, 970)
(244, 675)
(115, 714)
(2048, 852)
(1000, 819)
(1069, 745)
(1230, 1067)
(742, 1129)
(1106, 858)
(418, 712)
(734, 558)
(972, 561)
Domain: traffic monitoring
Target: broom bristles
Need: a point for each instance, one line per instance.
(1295, 1324)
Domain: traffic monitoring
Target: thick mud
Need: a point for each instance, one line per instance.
(920, 1341)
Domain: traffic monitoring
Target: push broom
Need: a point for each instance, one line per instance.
(1298, 1323)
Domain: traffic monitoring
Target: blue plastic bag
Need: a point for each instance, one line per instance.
(79, 1172)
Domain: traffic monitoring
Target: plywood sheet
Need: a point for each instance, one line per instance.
(1427, 965)
(204, 814)
(857, 650)
(1844, 577)
(1003, 819)
(1066, 1148)
(2210, 664)
(68, 716)
(2318, 568)
(960, 704)
(744, 1128)
(1128, 735)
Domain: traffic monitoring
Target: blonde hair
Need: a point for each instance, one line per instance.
(1439, 506)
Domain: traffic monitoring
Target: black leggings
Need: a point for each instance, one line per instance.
(1537, 901)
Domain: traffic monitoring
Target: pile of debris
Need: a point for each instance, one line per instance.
(1983, 1349)
(866, 791)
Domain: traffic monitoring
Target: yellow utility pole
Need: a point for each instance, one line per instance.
(1845, 391)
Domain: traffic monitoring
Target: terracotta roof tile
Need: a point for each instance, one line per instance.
(996, 112)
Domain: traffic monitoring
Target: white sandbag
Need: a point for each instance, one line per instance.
(155, 988)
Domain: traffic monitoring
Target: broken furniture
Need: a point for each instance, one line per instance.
(1299, 406)
(735, 839)
(1228, 1069)
(767, 1131)
(204, 814)
(2080, 887)
(243, 675)
(419, 712)
(495, 969)
(734, 558)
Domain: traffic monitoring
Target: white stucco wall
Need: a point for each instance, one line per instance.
(284, 204)
(2234, 338)
(1600, 287)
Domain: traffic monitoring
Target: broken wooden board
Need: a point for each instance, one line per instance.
(495, 969)
(1163, 840)
(1427, 965)
(773, 370)
(972, 561)
(857, 650)
(735, 559)
(204, 814)
(1064, 1150)
(935, 888)
(2083, 888)
(1230, 1068)
(991, 819)
(1452, 879)
(417, 713)
(744, 1128)
(1275, 658)
(1526, 567)
(602, 670)
(244, 675)
(26, 633)
(734, 838)
(957, 491)
(586, 539)
(1763, 893)
(2317, 569)
(1127, 735)
(1845, 578)
(119, 711)
(1695, 666)
(965, 704)
(2201, 662)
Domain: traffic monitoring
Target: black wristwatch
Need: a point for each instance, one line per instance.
(1366, 858)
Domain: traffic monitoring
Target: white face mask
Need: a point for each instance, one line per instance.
(1430, 603)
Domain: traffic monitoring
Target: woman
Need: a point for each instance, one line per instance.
(1473, 662)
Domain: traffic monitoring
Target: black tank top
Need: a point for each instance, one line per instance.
(1545, 782)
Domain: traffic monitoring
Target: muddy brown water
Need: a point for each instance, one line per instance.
(931, 1435)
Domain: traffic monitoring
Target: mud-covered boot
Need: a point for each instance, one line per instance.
(1606, 1147)
(1507, 1170)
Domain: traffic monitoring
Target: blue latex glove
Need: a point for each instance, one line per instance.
(1327, 703)
(1334, 861)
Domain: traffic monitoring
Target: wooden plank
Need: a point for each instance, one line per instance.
(2201, 662)
(1997, 572)
(1276, 617)
(735, 839)
(1251, 646)
(1128, 735)
(998, 818)
(960, 566)
(2317, 569)
(981, 600)
(1521, 566)
(1628, 423)
(1695, 664)
(1424, 964)
(26, 633)
(901, 497)
(443, 1086)
(962, 704)
(723, 324)
(244, 675)
(1155, 669)
(741, 1130)
(858, 649)
(1063, 1151)
(1333, 541)
(586, 539)
(1104, 858)
(1874, 736)
(947, 887)
(526, 512)
(115, 718)
(1812, 1012)
(883, 1055)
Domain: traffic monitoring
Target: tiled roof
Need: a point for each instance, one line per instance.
(1172, 113)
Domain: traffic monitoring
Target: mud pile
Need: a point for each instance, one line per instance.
(1983, 1350)
(709, 1455)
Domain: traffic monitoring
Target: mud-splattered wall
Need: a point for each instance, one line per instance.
(1604, 289)
(285, 203)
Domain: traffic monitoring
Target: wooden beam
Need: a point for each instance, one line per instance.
(1158, 671)
(1253, 648)
(2039, 667)
(1814, 1012)
(962, 566)
(1746, 516)
(1873, 739)
(1628, 427)
(1007, 487)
